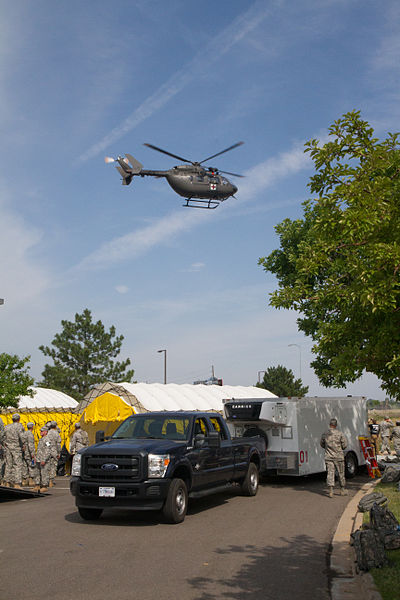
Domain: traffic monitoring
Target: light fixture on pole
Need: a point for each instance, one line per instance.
(299, 347)
(165, 365)
(259, 373)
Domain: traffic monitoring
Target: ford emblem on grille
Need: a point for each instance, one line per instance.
(109, 467)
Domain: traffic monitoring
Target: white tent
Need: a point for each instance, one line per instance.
(106, 405)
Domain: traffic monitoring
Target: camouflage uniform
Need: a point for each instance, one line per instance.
(334, 442)
(46, 451)
(395, 436)
(2, 461)
(386, 427)
(13, 443)
(29, 471)
(55, 439)
(79, 439)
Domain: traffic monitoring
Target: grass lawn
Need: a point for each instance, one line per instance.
(387, 579)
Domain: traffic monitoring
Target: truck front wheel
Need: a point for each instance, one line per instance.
(90, 514)
(175, 506)
(250, 482)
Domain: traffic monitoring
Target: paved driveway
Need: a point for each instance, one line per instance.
(273, 546)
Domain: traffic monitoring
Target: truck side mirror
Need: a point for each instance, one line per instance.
(214, 439)
(99, 436)
(199, 440)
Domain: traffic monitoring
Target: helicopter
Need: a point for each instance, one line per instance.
(203, 187)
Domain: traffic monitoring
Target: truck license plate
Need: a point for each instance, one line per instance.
(107, 492)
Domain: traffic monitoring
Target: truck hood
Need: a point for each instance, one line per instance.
(126, 446)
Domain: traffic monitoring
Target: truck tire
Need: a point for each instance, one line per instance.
(350, 465)
(253, 431)
(250, 483)
(90, 514)
(175, 506)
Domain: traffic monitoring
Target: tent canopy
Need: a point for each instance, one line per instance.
(46, 405)
(122, 399)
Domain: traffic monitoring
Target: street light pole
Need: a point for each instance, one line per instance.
(299, 347)
(259, 373)
(165, 365)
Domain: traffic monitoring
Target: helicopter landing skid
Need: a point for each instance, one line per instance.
(208, 204)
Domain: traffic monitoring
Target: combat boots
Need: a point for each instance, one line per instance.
(36, 489)
(330, 493)
(16, 486)
(343, 492)
(31, 482)
(24, 483)
(43, 489)
(51, 484)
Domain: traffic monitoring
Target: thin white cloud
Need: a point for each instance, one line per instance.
(221, 43)
(22, 280)
(122, 289)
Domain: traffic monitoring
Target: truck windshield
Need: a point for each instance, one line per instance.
(150, 426)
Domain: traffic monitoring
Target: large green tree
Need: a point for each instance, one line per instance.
(83, 355)
(15, 380)
(281, 382)
(339, 266)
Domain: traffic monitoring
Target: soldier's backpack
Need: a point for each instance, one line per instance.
(369, 549)
(367, 502)
(381, 518)
(391, 474)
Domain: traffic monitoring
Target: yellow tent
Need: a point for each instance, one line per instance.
(105, 412)
(46, 405)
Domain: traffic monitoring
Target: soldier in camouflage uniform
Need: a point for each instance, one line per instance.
(386, 429)
(29, 469)
(13, 443)
(46, 451)
(334, 442)
(395, 437)
(55, 439)
(79, 439)
(1, 451)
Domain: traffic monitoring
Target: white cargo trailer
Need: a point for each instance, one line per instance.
(292, 428)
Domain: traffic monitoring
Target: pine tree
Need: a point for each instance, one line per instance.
(83, 355)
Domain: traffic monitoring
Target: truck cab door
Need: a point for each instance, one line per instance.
(224, 458)
(202, 457)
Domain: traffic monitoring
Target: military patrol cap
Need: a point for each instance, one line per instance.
(77, 425)
(53, 424)
(333, 423)
(30, 424)
(44, 428)
(16, 417)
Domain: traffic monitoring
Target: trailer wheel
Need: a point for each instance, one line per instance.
(250, 482)
(90, 514)
(175, 506)
(253, 431)
(350, 465)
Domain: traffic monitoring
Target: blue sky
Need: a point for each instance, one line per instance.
(83, 80)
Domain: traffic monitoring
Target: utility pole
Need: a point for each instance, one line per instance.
(165, 365)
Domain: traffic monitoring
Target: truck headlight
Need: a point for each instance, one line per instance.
(76, 465)
(158, 464)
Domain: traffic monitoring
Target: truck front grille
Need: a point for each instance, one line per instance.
(111, 468)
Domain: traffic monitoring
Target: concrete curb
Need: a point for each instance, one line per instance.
(347, 583)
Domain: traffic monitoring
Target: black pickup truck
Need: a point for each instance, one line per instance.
(158, 460)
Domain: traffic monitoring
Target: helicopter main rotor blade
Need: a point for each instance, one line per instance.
(168, 153)
(222, 152)
(233, 174)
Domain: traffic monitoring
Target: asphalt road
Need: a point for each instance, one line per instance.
(273, 546)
